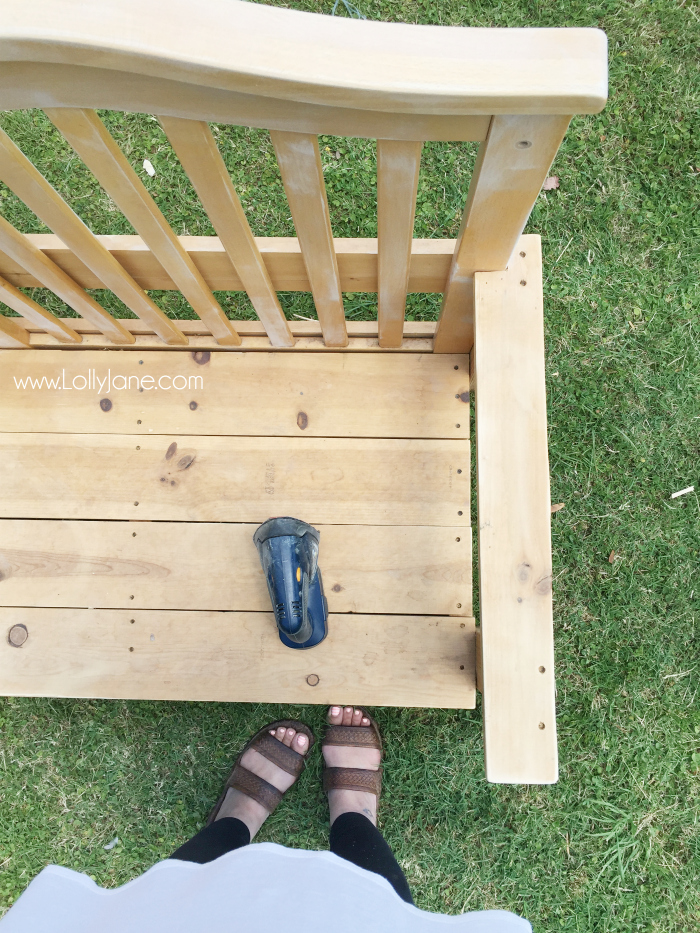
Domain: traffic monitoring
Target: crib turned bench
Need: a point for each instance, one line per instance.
(140, 454)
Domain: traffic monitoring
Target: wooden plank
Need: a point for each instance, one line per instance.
(45, 272)
(30, 186)
(299, 160)
(12, 334)
(331, 481)
(398, 167)
(196, 149)
(357, 263)
(300, 328)
(236, 657)
(280, 394)
(31, 311)
(515, 561)
(296, 57)
(88, 135)
(199, 565)
(510, 171)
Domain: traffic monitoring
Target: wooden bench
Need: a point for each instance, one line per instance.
(140, 454)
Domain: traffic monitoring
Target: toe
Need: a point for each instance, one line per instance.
(288, 736)
(280, 734)
(335, 715)
(356, 717)
(347, 715)
(365, 721)
(300, 743)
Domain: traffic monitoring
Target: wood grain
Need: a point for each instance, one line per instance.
(357, 263)
(240, 479)
(30, 186)
(293, 394)
(510, 171)
(398, 167)
(31, 311)
(196, 148)
(237, 657)
(88, 135)
(515, 561)
(200, 565)
(12, 334)
(299, 160)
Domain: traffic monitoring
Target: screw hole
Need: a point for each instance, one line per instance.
(138, 448)
(132, 621)
(459, 605)
(457, 425)
(458, 539)
(135, 503)
(541, 670)
(461, 667)
(523, 282)
(459, 471)
(456, 367)
(131, 597)
(138, 422)
(523, 144)
(462, 625)
(523, 255)
(131, 649)
(133, 534)
(541, 726)
(459, 513)
(140, 362)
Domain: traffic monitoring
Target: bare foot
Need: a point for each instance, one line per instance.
(244, 808)
(338, 756)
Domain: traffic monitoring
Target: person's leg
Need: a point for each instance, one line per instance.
(354, 834)
(240, 817)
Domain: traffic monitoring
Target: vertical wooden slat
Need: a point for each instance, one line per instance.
(196, 149)
(33, 312)
(398, 166)
(512, 165)
(299, 160)
(90, 138)
(32, 260)
(515, 559)
(30, 186)
(12, 335)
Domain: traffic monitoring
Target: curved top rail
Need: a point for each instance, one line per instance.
(57, 52)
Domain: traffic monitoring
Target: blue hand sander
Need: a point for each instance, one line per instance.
(288, 550)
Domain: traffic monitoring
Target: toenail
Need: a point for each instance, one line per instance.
(348, 709)
(335, 710)
(290, 731)
(302, 740)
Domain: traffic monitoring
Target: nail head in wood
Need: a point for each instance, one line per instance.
(541, 726)
(106, 405)
(193, 406)
(17, 635)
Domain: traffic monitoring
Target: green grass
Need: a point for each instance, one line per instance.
(614, 846)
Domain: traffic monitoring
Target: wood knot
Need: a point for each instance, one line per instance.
(105, 404)
(337, 588)
(463, 396)
(544, 585)
(313, 680)
(184, 463)
(302, 420)
(17, 635)
(171, 451)
(523, 572)
(201, 356)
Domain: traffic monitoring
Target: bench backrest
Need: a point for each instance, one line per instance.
(297, 75)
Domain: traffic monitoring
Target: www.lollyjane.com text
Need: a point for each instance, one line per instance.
(92, 381)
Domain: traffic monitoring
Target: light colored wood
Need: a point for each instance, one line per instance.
(515, 561)
(358, 481)
(479, 665)
(196, 148)
(398, 166)
(510, 171)
(88, 135)
(299, 160)
(199, 565)
(317, 344)
(357, 263)
(31, 311)
(26, 255)
(305, 328)
(30, 186)
(279, 394)
(237, 657)
(304, 58)
(12, 334)
(23, 86)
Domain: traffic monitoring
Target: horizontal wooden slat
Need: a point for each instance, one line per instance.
(240, 479)
(355, 344)
(236, 657)
(297, 57)
(515, 560)
(188, 565)
(292, 394)
(357, 263)
(299, 328)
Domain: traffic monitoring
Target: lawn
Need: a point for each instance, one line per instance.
(614, 846)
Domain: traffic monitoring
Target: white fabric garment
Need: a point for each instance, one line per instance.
(261, 888)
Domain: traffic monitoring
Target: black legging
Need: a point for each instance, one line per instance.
(353, 837)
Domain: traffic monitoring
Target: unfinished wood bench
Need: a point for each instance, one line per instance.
(140, 454)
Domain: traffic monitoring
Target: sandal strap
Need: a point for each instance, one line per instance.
(281, 755)
(252, 785)
(353, 779)
(359, 736)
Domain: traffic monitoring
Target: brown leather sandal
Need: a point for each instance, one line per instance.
(360, 779)
(281, 755)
